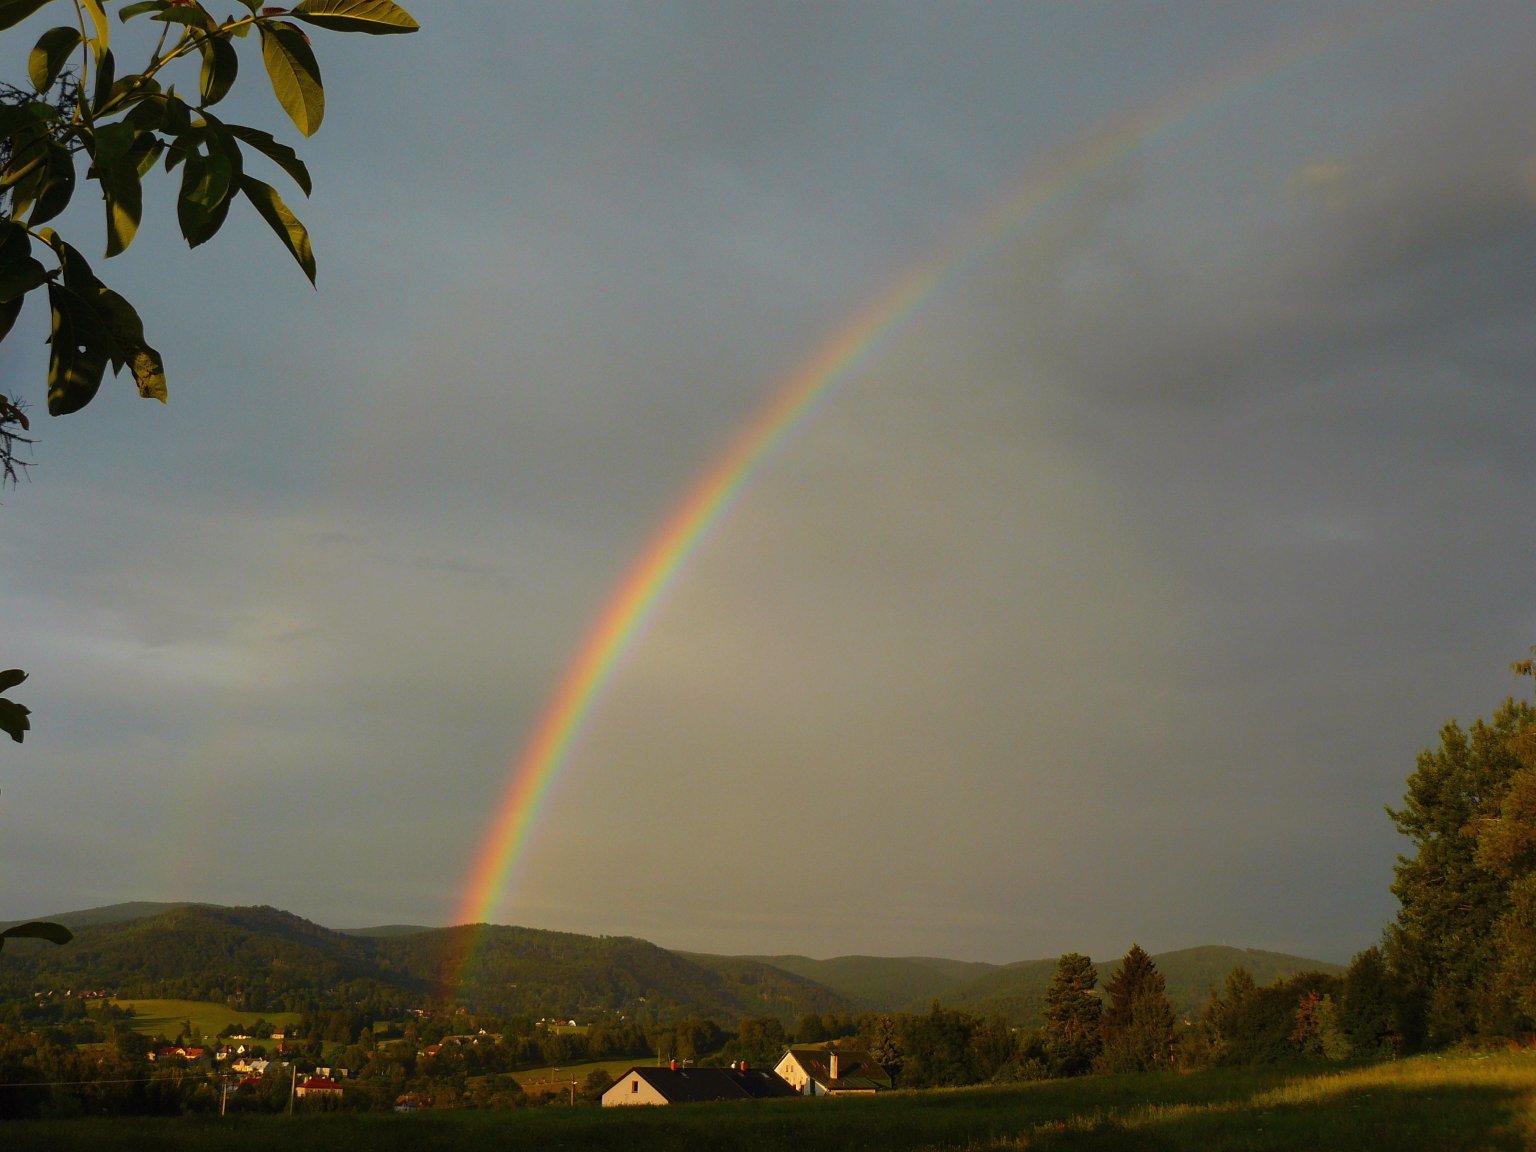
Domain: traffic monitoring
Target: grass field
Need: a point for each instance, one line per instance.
(539, 1079)
(167, 1017)
(1428, 1104)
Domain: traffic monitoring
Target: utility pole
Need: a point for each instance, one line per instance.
(293, 1084)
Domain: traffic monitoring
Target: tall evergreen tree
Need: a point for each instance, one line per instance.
(1370, 1006)
(1442, 948)
(1072, 1012)
(1138, 1023)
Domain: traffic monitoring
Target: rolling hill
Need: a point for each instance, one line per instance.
(883, 982)
(1017, 991)
(272, 960)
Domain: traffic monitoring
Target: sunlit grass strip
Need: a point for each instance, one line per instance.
(1458, 1101)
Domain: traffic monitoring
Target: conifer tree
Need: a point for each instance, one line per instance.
(1138, 1023)
(1072, 1012)
(1443, 948)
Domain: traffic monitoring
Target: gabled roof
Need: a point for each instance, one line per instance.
(856, 1070)
(692, 1085)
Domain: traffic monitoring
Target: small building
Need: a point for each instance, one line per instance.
(832, 1072)
(321, 1088)
(676, 1085)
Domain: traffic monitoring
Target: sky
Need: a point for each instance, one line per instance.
(1107, 597)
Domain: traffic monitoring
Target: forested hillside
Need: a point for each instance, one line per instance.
(1017, 991)
(882, 982)
(266, 960)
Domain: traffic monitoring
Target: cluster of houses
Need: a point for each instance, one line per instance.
(799, 1072)
(238, 1058)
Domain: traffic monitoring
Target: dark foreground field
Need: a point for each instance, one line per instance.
(1433, 1104)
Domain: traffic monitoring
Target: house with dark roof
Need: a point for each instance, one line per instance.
(832, 1072)
(676, 1085)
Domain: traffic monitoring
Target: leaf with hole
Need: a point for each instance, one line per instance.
(77, 354)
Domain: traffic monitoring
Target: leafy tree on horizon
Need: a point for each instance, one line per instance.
(1465, 888)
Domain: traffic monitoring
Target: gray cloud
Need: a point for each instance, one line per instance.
(1108, 598)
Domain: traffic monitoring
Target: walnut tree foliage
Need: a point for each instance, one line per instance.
(85, 115)
(86, 110)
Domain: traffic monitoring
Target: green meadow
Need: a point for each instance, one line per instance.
(169, 1017)
(552, 1076)
(1459, 1103)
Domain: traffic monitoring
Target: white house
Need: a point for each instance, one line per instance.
(832, 1072)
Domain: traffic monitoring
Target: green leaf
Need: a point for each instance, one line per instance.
(220, 65)
(29, 151)
(16, 118)
(140, 8)
(91, 325)
(9, 310)
(126, 93)
(111, 142)
(39, 930)
(54, 184)
(10, 678)
(127, 332)
(13, 720)
(280, 154)
(20, 272)
(99, 18)
(16, 280)
(293, 234)
(375, 17)
(146, 150)
(192, 17)
(50, 55)
(78, 352)
(206, 186)
(13, 12)
(106, 74)
(294, 73)
(124, 202)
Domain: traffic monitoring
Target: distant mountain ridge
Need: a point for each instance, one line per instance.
(270, 959)
(273, 959)
(884, 982)
(1017, 991)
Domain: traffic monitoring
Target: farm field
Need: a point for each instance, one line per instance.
(167, 1017)
(550, 1078)
(1460, 1103)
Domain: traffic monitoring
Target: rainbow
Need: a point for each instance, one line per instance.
(643, 587)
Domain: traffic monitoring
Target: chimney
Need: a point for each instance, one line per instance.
(832, 1064)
